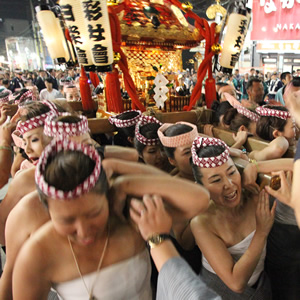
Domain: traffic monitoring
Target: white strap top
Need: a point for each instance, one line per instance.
(236, 252)
(128, 279)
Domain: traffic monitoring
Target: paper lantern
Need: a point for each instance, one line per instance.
(89, 28)
(237, 27)
(53, 34)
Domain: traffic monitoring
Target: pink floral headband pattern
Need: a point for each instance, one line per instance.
(209, 162)
(178, 140)
(54, 128)
(59, 145)
(142, 139)
(125, 123)
(268, 112)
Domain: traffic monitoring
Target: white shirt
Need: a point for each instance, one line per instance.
(45, 95)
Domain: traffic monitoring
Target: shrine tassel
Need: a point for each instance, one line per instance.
(210, 91)
(85, 91)
(94, 79)
(113, 95)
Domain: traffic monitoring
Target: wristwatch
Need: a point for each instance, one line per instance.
(157, 239)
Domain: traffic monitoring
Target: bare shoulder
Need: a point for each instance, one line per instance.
(127, 236)
(25, 175)
(29, 214)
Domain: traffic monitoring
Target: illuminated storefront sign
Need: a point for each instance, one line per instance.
(269, 47)
(276, 20)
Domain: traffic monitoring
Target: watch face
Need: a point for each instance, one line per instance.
(156, 239)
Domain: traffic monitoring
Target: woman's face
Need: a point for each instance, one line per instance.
(223, 183)
(83, 219)
(289, 130)
(181, 159)
(152, 156)
(34, 143)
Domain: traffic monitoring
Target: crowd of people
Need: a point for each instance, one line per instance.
(157, 211)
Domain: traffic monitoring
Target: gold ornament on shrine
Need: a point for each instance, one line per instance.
(113, 2)
(216, 48)
(212, 10)
(186, 6)
(117, 57)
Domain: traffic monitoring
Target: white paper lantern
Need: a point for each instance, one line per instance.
(237, 27)
(89, 28)
(53, 34)
(74, 18)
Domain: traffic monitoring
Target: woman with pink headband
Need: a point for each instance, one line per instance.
(177, 141)
(147, 144)
(277, 126)
(125, 125)
(29, 213)
(232, 233)
(90, 252)
(34, 142)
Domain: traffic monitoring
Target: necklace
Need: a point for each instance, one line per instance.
(90, 293)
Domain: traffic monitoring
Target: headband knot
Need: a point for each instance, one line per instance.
(141, 138)
(53, 127)
(177, 140)
(269, 112)
(59, 145)
(209, 162)
(125, 123)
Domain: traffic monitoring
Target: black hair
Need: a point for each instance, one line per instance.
(74, 167)
(235, 120)
(123, 133)
(267, 124)
(209, 151)
(48, 79)
(149, 131)
(174, 130)
(220, 109)
(283, 75)
(250, 82)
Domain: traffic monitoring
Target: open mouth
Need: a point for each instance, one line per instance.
(231, 197)
(34, 160)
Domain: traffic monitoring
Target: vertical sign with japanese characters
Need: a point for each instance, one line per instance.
(99, 35)
(237, 27)
(74, 18)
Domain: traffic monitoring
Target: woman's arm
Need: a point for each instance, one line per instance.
(184, 198)
(176, 280)
(120, 152)
(234, 274)
(275, 149)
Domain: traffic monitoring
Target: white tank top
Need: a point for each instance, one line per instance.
(236, 252)
(128, 279)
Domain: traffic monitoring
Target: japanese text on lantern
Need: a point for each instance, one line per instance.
(93, 12)
(75, 33)
(239, 41)
(270, 6)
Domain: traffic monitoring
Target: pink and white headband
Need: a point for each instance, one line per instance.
(177, 140)
(142, 139)
(268, 112)
(54, 128)
(56, 146)
(241, 109)
(209, 162)
(27, 96)
(125, 123)
(37, 121)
